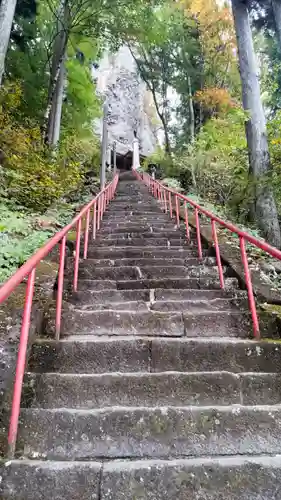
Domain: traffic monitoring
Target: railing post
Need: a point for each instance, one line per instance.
(60, 287)
(198, 234)
(165, 201)
(86, 238)
(99, 209)
(177, 210)
(186, 223)
(95, 220)
(77, 255)
(162, 198)
(218, 255)
(170, 205)
(21, 361)
(248, 281)
(102, 206)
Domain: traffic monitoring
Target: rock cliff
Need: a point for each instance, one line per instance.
(131, 105)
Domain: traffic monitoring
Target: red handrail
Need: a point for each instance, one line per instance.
(98, 205)
(157, 189)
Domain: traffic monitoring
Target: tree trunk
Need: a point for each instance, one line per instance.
(191, 112)
(57, 76)
(168, 149)
(7, 12)
(57, 107)
(276, 5)
(191, 128)
(259, 160)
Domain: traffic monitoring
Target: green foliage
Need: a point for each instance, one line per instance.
(23, 232)
(18, 239)
(30, 175)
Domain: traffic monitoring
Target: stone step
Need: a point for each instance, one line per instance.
(137, 197)
(139, 262)
(140, 242)
(198, 294)
(217, 324)
(143, 272)
(136, 217)
(157, 221)
(129, 306)
(35, 480)
(169, 283)
(142, 208)
(218, 478)
(189, 306)
(84, 322)
(194, 306)
(130, 227)
(125, 235)
(87, 391)
(140, 252)
(111, 322)
(135, 354)
(108, 297)
(162, 283)
(96, 355)
(158, 432)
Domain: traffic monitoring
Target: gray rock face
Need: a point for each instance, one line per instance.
(130, 104)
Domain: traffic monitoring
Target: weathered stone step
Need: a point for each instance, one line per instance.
(83, 322)
(130, 305)
(134, 354)
(134, 207)
(163, 283)
(108, 297)
(150, 432)
(222, 478)
(100, 355)
(188, 306)
(111, 322)
(194, 306)
(130, 227)
(198, 294)
(154, 220)
(140, 389)
(173, 283)
(140, 252)
(140, 242)
(35, 480)
(83, 391)
(142, 272)
(217, 324)
(208, 354)
(139, 262)
(125, 235)
(136, 217)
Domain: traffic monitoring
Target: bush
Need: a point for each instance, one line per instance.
(30, 175)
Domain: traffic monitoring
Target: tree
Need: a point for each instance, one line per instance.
(260, 167)
(7, 12)
(276, 6)
(167, 57)
(52, 119)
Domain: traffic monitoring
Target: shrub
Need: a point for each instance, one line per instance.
(30, 175)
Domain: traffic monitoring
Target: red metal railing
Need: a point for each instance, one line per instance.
(94, 209)
(162, 193)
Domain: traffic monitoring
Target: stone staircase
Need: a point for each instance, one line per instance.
(154, 391)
